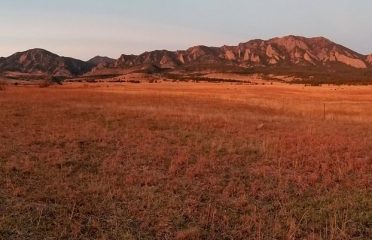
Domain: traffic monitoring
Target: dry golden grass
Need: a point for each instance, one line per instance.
(185, 161)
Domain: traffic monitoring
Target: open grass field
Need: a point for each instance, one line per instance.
(185, 161)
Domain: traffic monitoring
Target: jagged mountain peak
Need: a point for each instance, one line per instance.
(288, 50)
(36, 54)
(369, 58)
(291, 42)
(42, 62)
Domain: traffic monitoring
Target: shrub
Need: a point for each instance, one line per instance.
(134, 81)
(153, 81)
(45, 84)
(2, 85)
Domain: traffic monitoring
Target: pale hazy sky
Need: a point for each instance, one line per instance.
(85, 28)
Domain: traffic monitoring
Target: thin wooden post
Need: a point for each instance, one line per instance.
(324, 111)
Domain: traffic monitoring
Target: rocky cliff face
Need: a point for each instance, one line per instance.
(39, 61)
(126, 61)
(314, 51)
(369, 59)
(290, 50)
(162, 58)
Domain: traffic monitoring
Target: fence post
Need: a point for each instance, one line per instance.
(324, 111)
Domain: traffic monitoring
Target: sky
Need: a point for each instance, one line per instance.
(86, 28)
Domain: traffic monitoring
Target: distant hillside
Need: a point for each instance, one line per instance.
(102, 61)
(288, 51)
(317, 59)
(42, 62)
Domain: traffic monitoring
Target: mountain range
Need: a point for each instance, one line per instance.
(289, 51)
